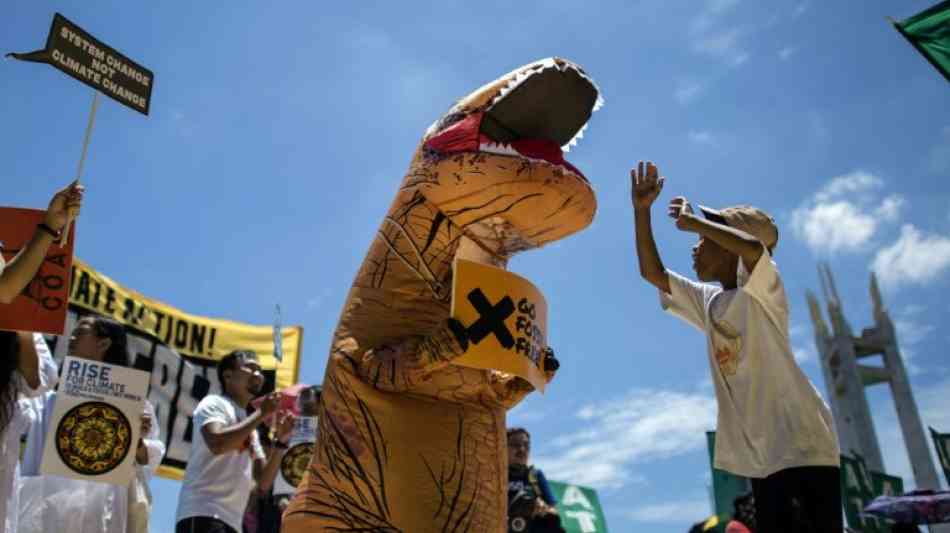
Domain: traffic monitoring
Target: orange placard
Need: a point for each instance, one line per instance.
(506, 319)
(42, 305)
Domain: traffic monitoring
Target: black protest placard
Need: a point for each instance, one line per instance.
(73, 51)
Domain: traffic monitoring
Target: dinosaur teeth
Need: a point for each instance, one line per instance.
(498, 148)
(577, 137)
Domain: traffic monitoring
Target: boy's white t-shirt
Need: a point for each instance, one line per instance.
(218, 486)
(771, 417)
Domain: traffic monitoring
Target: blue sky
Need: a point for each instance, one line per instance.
(278, 136)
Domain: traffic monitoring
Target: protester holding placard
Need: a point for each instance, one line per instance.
(293, 467)
(772, 427)
(99, 339)
(15, 275)
(226, 458)
(27, 369)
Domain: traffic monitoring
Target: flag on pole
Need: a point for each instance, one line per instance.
(929, 32)
(278, 337)
(942, 444)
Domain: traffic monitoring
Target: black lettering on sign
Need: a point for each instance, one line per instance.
(198, 338)
(110, 299)
(181, 334)
(82, 288)
(58, 260)
(129, 309)
(530, 342)
(491, 319)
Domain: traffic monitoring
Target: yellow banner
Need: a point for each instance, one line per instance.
(506, 319)
(179, 349)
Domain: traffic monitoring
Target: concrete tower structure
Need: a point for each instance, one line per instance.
(846, 376)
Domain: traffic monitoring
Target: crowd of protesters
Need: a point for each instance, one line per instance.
(773, 427)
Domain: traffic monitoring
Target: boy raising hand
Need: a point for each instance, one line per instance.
(772, 426)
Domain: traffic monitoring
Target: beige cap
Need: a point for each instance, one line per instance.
(751, 220)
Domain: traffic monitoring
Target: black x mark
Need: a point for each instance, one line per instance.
(491, 319)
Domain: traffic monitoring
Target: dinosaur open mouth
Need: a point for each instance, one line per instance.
(538, 114)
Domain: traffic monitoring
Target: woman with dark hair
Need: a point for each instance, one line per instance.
(26, 369)
(101, 339)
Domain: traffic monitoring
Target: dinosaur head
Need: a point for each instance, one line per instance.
(494, 164)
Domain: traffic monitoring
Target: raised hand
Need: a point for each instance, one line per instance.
(269, 404)
(64, 206)
(645, 186)
(285, 426)
(678, 209)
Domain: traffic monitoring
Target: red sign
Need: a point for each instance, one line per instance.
(42, 305)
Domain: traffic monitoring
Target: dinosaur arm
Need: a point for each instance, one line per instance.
(511, 389)
(400, 367)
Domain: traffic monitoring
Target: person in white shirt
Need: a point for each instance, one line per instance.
(773, 426)
(226, 458)
(102, 339)
(26, 370)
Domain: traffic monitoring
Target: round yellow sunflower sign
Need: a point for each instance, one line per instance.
(93, 438)
(295, 462)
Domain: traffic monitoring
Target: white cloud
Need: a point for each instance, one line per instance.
(708, 16)
(915, 258)
(842, 215)
(855, 182)
(911, 332)
(702, 137)
(787, 52)
(675, 511)
(833, 226)
(616, 434)
(724, 46)
(890, 207)
(687, 92)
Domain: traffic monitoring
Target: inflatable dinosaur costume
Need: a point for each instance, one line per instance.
(409, 442)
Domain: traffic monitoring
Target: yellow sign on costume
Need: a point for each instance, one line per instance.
(506, 319)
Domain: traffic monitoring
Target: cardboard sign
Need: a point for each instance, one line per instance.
(297, 457)
(506, 320)
(42, 305)
(579, 508)
(80, 55)
(178, 349)
(96, 422)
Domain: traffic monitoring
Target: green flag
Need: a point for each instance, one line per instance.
(857, 490)
(929, 32)
(579, 508)
(726, 487)
(942, 444)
